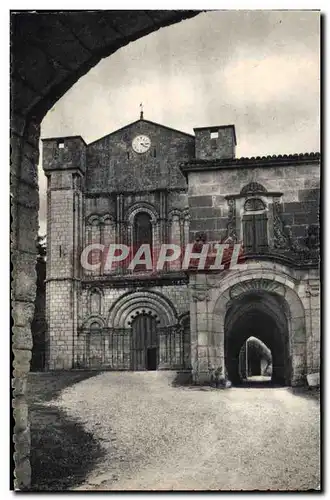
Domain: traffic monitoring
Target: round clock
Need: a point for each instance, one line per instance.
(141, 143)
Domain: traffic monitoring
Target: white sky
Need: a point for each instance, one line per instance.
(259, 70)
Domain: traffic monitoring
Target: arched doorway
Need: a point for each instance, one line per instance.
(261, 315)
(144, 343)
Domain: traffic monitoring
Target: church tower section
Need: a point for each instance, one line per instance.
(143, 156)
(64, 163)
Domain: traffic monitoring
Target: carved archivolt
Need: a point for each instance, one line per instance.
(182, 215)
(133, 303)
(186, 214)
(97, 219)
(139, 207)
(145, 311)
(253, 187)
(94, 318)
(256, 285)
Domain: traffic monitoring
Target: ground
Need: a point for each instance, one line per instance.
(138, 431)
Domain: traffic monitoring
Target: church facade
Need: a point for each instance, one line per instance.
(149, 184)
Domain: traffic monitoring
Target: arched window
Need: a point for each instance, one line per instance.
(142, 229)
(142, 234)
(255, 222)
(94, 327)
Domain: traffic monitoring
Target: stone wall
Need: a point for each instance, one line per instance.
(114, 166)
(24, 228)
(299, 184)
(211, 295)
(111, 310)
(46, 62)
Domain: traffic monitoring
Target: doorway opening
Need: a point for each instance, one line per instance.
(144, 342)
(151, 358)
(255, 361)
(257, 350)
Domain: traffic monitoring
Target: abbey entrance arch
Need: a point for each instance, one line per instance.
(263, 315)
(49, 54)
(263, 304)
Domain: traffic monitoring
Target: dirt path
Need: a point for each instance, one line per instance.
(159, 437)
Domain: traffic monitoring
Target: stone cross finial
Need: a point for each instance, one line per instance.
(141, 111)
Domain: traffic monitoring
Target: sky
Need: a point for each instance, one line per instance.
(258, 70)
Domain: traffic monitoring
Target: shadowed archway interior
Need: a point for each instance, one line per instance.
(261, 315)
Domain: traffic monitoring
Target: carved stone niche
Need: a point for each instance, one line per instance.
(231, 226)
(281, 234)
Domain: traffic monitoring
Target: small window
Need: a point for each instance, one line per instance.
(155, 153)
(142, 229)
(142, 234)
(128, 155)
(60, 144)
(214, 135)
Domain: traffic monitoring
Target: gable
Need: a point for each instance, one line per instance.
(113, 165)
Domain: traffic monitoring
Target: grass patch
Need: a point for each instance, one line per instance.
(62, 452)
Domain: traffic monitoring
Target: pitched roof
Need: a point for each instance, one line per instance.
(145, 121)
(255, 161)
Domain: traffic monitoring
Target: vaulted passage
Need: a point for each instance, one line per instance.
(261, 315)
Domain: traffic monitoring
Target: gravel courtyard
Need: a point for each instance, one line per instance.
(159, 437)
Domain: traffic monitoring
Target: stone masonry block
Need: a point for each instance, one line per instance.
(22, 473)
(21, 364)
(22, 313)
(21, 414)
(200, 201)
(25, 276)
(22, 337)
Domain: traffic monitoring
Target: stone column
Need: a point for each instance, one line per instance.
(200, 328)
(313, 325)
(175, 239)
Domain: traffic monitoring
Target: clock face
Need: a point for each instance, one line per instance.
(141, 143)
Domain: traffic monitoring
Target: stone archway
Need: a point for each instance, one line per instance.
(49, 53)
(131, 304)
(259, 314)
(288, 325)
(153, 323)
